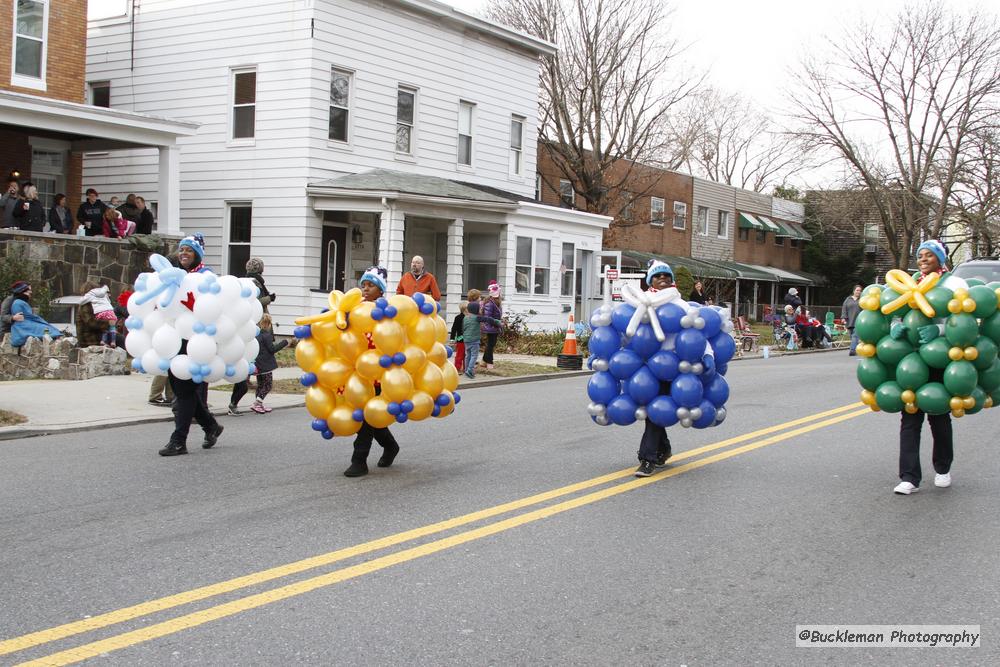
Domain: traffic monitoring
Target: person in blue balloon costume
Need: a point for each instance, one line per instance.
(660, 359)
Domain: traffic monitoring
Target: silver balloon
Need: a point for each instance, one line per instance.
(601, 419)
(699, 323)
(696, 413)
(596, 409)
(697, 368)
(687, 321)
(727, 326)
(684, 367)
(683, 413)
(687, 422)
(640, 413)
(599, 364)
(720, 415)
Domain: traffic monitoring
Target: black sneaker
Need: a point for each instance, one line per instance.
(160, 402)
(211, 437)
(662, 458)
(388, 457)
(174, 449)
(233, 412)
(356, 470)
(645, 469)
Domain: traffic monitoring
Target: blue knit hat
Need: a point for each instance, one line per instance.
(656, 267)
(193, 243)
(937, 248)
(376, 276)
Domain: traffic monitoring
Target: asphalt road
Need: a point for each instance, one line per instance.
(713, 561)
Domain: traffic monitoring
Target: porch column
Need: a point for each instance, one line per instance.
(170, 190)
(390, 245)
(505, 260)
(456, 268)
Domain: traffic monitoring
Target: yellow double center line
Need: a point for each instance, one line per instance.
(826, 418)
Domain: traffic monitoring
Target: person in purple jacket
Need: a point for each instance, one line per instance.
(492, 310)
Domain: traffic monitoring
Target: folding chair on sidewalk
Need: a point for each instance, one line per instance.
(747, 340)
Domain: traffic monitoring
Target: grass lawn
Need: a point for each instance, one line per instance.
(11, 418)
(280, 387)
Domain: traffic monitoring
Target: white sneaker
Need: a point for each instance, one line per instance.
(905, 489)
(942, 481)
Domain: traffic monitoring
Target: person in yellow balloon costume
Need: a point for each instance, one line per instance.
(369, 361)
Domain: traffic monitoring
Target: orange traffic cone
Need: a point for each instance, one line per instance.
(570, 359)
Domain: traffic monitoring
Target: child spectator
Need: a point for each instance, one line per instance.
(266, 363)
(97, 297)
(456, 335)
(109, 223)
(472, 332)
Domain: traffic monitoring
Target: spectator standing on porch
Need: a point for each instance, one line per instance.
(849, 312)
(418, 281)
(144, 225)
(60, 221)
(9, 200)
(91, 214)
(698, 293)
(29, 214)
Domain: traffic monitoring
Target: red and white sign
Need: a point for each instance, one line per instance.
(611, 274)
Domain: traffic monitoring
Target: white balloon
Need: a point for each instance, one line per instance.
(201, 348)
(140, 310)
(247, 331)
(218, 370)
(687, 422)
(207, 308)
(230, 288)
(242, 370)
(600, 364)
(152, 322)
(137, 342)
(601, 419)
(184, 324)
(683, 413)
(684, 366)
(251, 287)
(695, 414)
(239, 311)
(225, 329)
(256, 311)
(231, 350)
(180, 366)
(720, 415)
(166, 342)
(151, 363)
(697, 368)
(253, 348)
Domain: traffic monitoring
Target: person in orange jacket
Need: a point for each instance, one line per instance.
(418, 280)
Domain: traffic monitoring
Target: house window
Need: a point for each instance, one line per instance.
(482, 252)
(340, 104)
(656, 207)
(744, 234)
(538, 187)
(465, 110)
(703, 220)
(48, 174)
(516, 139)
(567, 196)
(793, 243)
(723, 229)
(871, 232)
(100, 94)
(240, 219)
(244, 103)
(567, 270)
(30, 34)
(779, 240)
(406, 99)
(761, 236)
(680, 215)
(531, 265)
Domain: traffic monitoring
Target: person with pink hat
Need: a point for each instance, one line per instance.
(492, 315)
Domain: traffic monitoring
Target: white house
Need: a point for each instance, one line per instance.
(336, 133)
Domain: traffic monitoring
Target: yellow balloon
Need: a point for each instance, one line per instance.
(389, 337)
(334, 298)
(422, 332)
(361, 317)
(341, 421)
(911, 408)
(954, 306)
(450, 377)
(440, 329)
(367, 365)
(908, 396)
(960, 293)
(325, 331)
(437, 355)
(376, 413)
(955, 353)
(350, 299)
(430, 380)
(423, 406)
(988, 403)
(910, 291)
(333, 373)
(971, 353)
(358, 391)
(868, 397)
(958, 413)
(309, 355)
(406, 308)
(415, 359)
(319, 401)
(956, 403)
(968, 402)
(351, 344)
(448, 408)
(968, 305)
(397, 385)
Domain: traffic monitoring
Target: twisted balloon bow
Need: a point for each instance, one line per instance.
(170, 276)
(910, 291)
(340, 305)
(646, 303)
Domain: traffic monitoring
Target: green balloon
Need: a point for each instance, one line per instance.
(980, 395)
(934, 399)
(890, 351)
(961, 329)
(871, 325)
(939, 297)
(974, 282)
(960, 378)
(991, 327)
(913, 320)
(935, 353)
(912, 372)
(987, 353)
(888, 296)
(871, 373)
(888, 398)
(986, 301)
(990, 378)
(995, 395)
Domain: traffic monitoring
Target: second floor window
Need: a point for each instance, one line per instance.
(703, 220)
(656, 208)
(29, 40)
(244, 103)
(723, 230)
(100, 94)
(406, 99)
(567, 196)
(516, 139)
(680, 215)
(340, 104)
(465, 110)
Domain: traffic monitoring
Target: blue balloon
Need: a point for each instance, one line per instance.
(390, 311)
(690, 345)
(393, 408)
(642, 386)
(377, 314)
(713, 321)
(602, 387)
(663, 364)
(662, 411)
(725, 348)
(621, 316)
(436, 411)
(402, 417)
(327, 435)
(442, 399)
(427, 308)
(717, 391)
(644, 342)
(624, 363)
(381, 302)
(407, 406)
(604, 342)
(449, 351)
(385, 361)
(304, 331)
(708, 361)
(621, 410)
(418, 298)
(399, 358)
(319, 425)
(721, 368)
(165, 365)
(590, 361)
(137, 366)
(358, 415)
(457, 397)
(707, 415)
(308, 379)
(687, 390)
(670, 315)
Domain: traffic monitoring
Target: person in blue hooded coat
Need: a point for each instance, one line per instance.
(31, 326)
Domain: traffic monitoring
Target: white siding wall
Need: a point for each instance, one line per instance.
(716, 197)
(792, 211)
(753, 202)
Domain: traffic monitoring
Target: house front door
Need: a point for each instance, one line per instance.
(333, 260)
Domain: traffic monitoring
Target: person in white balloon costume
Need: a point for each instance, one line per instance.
(195, 327)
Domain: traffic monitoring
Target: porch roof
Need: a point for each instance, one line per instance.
(785, 276)
(379, 183)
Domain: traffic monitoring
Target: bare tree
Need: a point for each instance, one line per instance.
(899, 107)
(604, 97)
(976, 196)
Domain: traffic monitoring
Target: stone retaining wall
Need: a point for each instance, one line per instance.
(59, 359)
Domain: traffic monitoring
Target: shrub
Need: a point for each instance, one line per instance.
(15, 266)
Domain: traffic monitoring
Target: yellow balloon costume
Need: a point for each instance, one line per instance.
(397, 343)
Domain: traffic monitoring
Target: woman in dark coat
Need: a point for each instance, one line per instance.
(60, 220)
(29, 212)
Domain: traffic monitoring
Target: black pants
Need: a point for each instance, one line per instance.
(190, 403)
(239, 391)
(909, 445)
(654, 443)
(491, 342)
(363, 441)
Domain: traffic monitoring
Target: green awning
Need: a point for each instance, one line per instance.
(801, 231)
(747, 221)
(786, 230)
(768, 223)
(699, 268)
